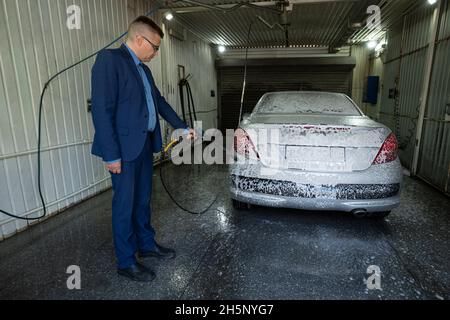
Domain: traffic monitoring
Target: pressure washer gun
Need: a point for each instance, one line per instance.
(172, 144)
(176, 141)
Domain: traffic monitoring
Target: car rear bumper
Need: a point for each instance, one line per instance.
(374, 190)
(338, 192)
(326, 204)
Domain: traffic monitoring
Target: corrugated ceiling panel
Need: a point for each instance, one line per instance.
(391, 13)
(311, 24)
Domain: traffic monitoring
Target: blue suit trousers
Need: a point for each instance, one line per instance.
(131, 209)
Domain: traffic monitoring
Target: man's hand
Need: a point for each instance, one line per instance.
(192, 135)
(115, 168)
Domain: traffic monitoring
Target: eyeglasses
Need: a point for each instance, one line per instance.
(155, 47)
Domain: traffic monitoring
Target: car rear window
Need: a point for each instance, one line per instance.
(306, 103)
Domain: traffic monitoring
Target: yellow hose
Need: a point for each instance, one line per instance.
(170, 145)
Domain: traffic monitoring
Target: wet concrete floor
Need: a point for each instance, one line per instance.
(264, 253)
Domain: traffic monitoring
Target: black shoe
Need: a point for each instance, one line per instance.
(159, 252)
(146, 269)
(137, 272)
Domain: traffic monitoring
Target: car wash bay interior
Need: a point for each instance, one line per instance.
(264, 253)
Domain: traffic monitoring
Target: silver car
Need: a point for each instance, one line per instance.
(315, 151)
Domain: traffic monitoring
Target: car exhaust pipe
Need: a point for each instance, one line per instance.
(360, 213)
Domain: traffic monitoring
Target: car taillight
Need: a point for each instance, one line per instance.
(243, 145)
(388, 151)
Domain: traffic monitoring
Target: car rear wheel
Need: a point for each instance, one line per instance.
(238, 205)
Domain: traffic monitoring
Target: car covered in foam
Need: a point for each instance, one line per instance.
(315, 151)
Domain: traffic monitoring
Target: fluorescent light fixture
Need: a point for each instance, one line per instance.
(431, 2)
(221, 49)
(372, 44)
(169, 16)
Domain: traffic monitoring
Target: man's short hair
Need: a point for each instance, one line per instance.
(144, 22)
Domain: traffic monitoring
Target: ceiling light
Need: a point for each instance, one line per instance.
(379, 46)
(169, 16)
(221, 49)
(372, 44)
(431, 2)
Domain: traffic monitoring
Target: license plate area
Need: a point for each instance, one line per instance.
(320, 158)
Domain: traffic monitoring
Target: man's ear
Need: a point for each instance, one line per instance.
(139, 41)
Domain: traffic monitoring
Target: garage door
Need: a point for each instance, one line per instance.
(267, 78)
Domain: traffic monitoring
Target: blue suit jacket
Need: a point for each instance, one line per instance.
(119, 107)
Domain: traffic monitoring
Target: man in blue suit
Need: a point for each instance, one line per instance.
(125, 108)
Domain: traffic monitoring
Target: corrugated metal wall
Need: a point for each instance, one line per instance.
(35, 45)
(360, 73)
(391, 73)
(376, 68)
(404, 69)
(198, 58)
(434, 161)
(366, 64)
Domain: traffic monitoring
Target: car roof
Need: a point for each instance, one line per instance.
(307, 92)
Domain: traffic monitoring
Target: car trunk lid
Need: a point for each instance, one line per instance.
(317, 143)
